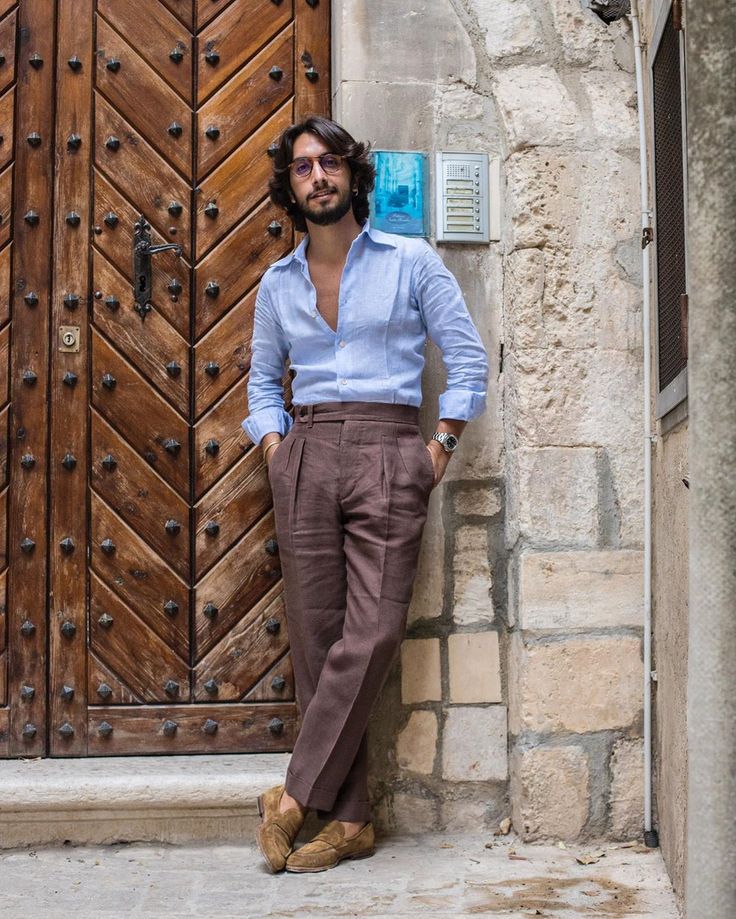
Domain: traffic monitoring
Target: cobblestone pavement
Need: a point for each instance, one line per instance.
(438, 875)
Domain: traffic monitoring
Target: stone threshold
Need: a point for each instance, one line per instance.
(101, 800)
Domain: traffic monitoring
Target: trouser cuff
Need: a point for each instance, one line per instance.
(323, 801)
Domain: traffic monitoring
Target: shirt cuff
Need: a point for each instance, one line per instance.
(261, 422)
(462, 405)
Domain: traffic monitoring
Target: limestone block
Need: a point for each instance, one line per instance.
(512, 588)
(423, 41)
(584, 37)
(624, 468)
(480, 501)
(591, 589)
(570, 305)
(536, 107)
(590, 299)
(575, 683)
(420, 670)
(101, 800)
(466, 816)
(569, 396)
(627, 789)
(417, 743)
(557, 495)
(475, 669)
(571, 298)
(414, 813)
(579, 199)
(393, 115)
(429, 582)
(458, 102)
(612, 98)
(623, 50)
(466, 119)
(474, 744)
(523, 292)
(472, 599)
(510, 27)
(549, 792)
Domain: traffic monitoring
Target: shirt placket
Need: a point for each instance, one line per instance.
(338, 337)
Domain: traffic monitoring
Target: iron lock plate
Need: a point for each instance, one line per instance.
(69, 338)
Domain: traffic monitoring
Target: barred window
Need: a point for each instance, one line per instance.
(670, 201)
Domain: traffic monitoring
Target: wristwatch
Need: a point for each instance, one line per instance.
(449, 441)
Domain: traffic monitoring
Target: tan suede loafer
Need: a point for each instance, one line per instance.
(277, 831)
(329, 847)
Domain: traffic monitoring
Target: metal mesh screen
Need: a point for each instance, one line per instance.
(669, 196)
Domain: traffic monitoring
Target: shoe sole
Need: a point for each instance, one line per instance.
(343, 858)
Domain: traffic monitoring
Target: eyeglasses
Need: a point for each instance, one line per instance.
(329, 162)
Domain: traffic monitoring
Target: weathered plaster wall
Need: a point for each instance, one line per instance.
(519, 685)
(670, 499)
(670, 646)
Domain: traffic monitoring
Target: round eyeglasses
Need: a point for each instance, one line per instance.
(329, 162)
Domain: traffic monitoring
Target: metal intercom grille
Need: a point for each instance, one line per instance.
(669, 195)
(462, 200)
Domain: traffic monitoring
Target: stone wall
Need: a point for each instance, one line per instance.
(519, 687)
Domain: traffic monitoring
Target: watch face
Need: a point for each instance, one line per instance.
(451, 442)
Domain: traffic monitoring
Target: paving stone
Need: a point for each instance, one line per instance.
(438, 875)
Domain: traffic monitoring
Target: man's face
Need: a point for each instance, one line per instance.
(322, 198)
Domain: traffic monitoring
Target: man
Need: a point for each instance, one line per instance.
(350, 473)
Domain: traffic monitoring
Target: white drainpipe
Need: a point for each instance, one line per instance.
(650, 836)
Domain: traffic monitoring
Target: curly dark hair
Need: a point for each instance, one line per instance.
(339, 141)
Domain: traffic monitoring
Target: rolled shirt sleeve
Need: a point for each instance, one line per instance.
(269, 350)
(450, 326)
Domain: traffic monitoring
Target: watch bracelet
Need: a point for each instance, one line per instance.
(274, 443)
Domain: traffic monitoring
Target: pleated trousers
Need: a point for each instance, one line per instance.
(351, 483)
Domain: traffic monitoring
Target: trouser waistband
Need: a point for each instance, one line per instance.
(370, 411)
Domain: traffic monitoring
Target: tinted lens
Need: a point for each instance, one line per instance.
(302, 168)
(330, 162)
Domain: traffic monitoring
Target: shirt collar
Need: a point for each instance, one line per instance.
(376, 236)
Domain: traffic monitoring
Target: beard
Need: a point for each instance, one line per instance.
(325, 215)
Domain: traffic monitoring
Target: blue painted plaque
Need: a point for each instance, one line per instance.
(400, 200)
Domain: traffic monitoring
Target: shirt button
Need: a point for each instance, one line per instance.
(314, 314)
(342, 344)
(344, 381)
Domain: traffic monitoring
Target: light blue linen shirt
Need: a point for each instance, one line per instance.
(394, 291)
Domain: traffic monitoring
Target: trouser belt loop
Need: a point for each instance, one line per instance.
(310, 414)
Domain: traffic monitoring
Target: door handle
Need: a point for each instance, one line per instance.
(142, 275)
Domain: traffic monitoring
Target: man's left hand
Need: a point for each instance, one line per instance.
(440, 459)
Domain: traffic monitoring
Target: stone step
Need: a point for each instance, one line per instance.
(100, 800)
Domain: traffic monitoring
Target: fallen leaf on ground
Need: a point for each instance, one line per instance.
(589, 858)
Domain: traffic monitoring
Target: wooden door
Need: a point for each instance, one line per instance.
(141, 606)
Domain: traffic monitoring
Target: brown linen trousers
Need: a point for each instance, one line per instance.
(351, 484)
